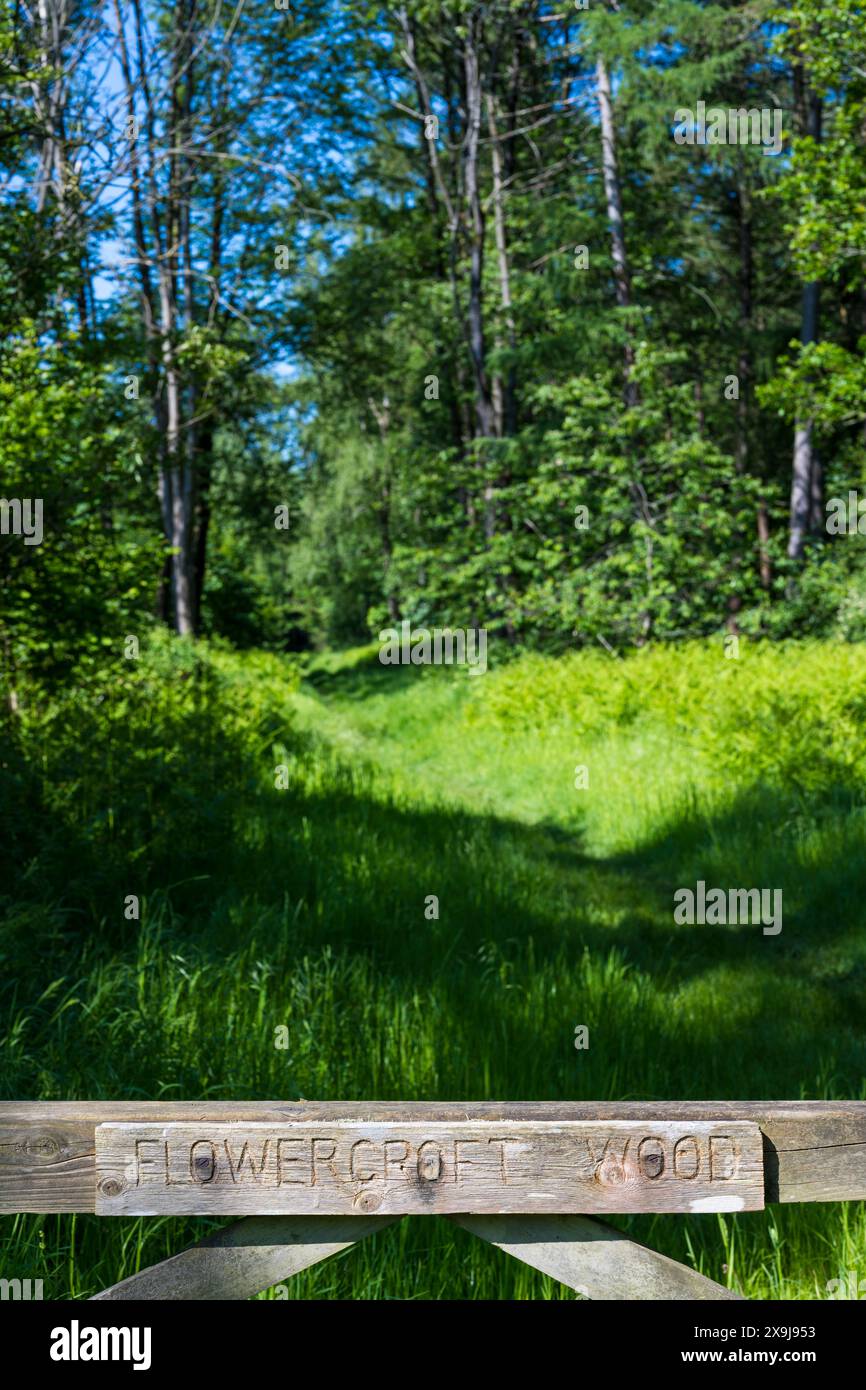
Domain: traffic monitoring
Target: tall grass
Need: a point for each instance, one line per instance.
(305, 907)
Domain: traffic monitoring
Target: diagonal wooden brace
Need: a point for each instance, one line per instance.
(243, 1259)
(592, 1257)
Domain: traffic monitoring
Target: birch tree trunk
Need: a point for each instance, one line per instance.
(175, 481)
(442, 204)
(471, 161)
(484, 412)
(622, 283)
(613, 200)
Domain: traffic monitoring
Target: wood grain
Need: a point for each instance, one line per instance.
(243, 1259)
(814, 1151)
(425, 1167)
(592, 1258)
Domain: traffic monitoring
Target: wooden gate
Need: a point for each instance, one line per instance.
(531, 1178)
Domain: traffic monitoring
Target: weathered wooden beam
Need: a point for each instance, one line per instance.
(813, 1151)
(592, 1258)
(428, 1167)
(247, 1257)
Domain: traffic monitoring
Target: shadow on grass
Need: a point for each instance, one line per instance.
(364, 677)
(531, 936)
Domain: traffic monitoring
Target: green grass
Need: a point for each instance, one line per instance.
(306, 907)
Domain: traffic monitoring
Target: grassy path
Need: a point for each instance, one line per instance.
(309, 908)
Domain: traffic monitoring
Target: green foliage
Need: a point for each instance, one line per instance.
(62, 442)
(742, 716)
(655, 490)
(134, 773)
(823, 194)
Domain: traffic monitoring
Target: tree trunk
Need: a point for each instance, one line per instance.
(622, 282)
(382, 416)
(477, 350)
(613, 199)
(203, 466)
(765, 569)
(484, 413)
(504, 391)
(744, 361)
(806, 480)
(178, 484)
(744, 375)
